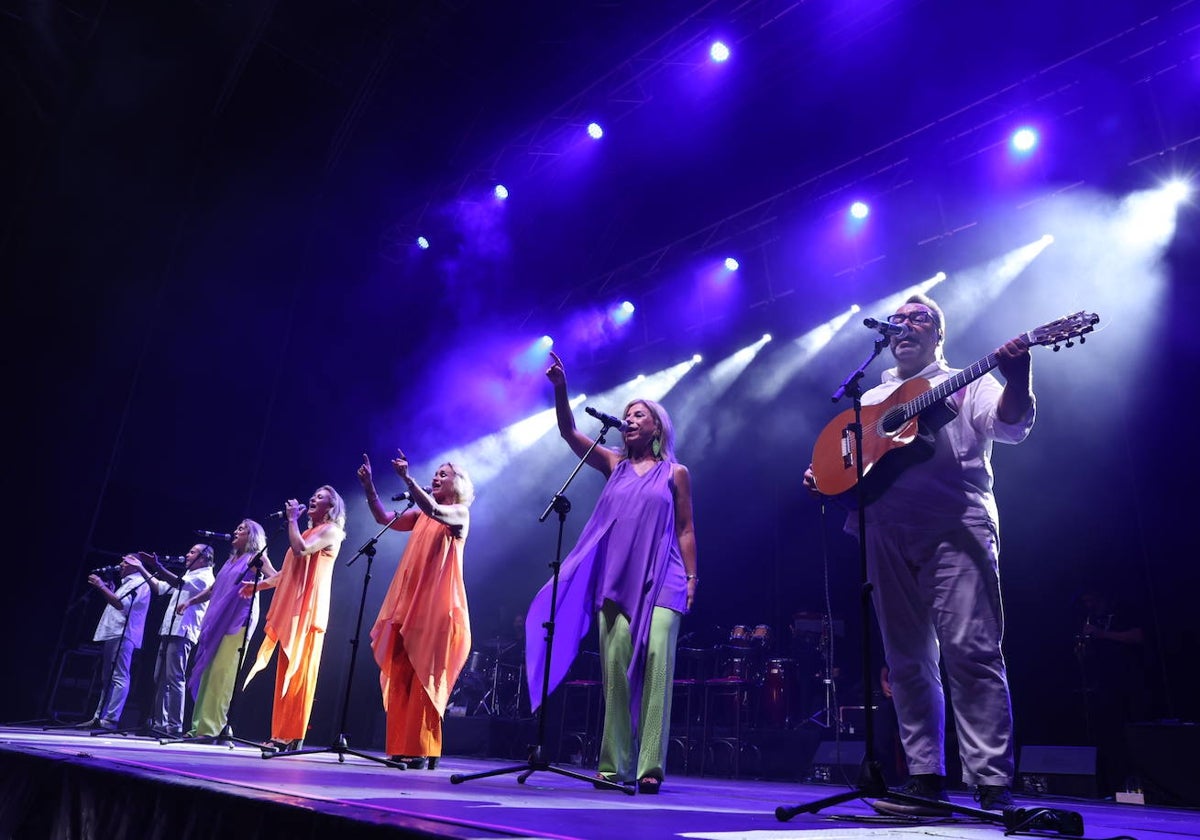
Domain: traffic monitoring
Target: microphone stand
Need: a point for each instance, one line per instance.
(537, 761)
(870, 778)
(341, 745)
(226, 736)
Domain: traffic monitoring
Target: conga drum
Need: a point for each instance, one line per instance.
(777, 693)
(739, 636)
(761, 636)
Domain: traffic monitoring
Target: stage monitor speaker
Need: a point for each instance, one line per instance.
(837, 762)
(1058, 771)
(1165, 755)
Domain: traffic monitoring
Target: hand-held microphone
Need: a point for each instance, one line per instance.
(279, 514)
(888, 329)
(607, 419)
(214, 535)
(408, 494)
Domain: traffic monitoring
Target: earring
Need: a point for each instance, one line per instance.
(656, 447)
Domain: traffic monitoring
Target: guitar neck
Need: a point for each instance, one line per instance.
(964, 377)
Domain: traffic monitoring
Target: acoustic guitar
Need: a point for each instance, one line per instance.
(891, 427)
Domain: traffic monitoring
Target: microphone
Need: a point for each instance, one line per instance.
(888, 329)
(106, 570)
(407, 495)
(170, 560)
(214, 535)
(279, 514)
(607, 419)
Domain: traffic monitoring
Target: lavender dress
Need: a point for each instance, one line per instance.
(628, 554)
(226, 614)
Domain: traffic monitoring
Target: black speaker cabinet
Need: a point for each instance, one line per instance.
(1058, 771)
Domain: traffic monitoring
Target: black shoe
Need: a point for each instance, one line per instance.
(924, 785)
(649, 784)
(433, 761)
(993, 797)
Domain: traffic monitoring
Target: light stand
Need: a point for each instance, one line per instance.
(226, 736)
(537, 760)
(341, 744)
(870, 778)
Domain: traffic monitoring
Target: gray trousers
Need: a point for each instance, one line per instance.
(116, 656)
(170, 677)
(938, 593)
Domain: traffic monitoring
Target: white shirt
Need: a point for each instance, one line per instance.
(192, 582)
(134, 593)
(955, 485)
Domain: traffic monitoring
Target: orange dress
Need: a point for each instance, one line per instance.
(296, 623)
(422, 637)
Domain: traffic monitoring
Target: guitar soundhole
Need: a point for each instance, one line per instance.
(892, 420)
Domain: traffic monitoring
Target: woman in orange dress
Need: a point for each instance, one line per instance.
(299, 613)
(422, 636)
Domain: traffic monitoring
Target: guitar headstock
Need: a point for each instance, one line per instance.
(1065, 329)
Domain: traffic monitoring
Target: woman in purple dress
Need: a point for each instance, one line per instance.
(228, 625)
(634, 569)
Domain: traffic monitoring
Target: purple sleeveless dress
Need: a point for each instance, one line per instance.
(627, 553)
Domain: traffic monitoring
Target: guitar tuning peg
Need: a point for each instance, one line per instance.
(1070, 343)
(1055, 348)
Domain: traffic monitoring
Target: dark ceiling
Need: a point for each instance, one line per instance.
(208, 211)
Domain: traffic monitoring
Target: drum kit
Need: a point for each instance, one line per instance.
(492, 681)
(780, 685)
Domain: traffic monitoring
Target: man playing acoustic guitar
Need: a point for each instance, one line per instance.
(932, 551)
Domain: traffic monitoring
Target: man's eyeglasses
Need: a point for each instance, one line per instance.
(920, 316)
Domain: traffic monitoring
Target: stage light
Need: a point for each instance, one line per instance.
(422, 243)
(1178, 190)
(621, 313)
(718, 52)
(859, 210)
(732, 264)
(1024, 140)
(546, 341)
(595, 131)
(501, 192)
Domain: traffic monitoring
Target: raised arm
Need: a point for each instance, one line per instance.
(601, 458)
(381, 515)
(454, 515)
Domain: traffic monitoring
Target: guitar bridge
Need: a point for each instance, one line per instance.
(847, 448)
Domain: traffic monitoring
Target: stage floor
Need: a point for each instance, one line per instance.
(68, 783)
